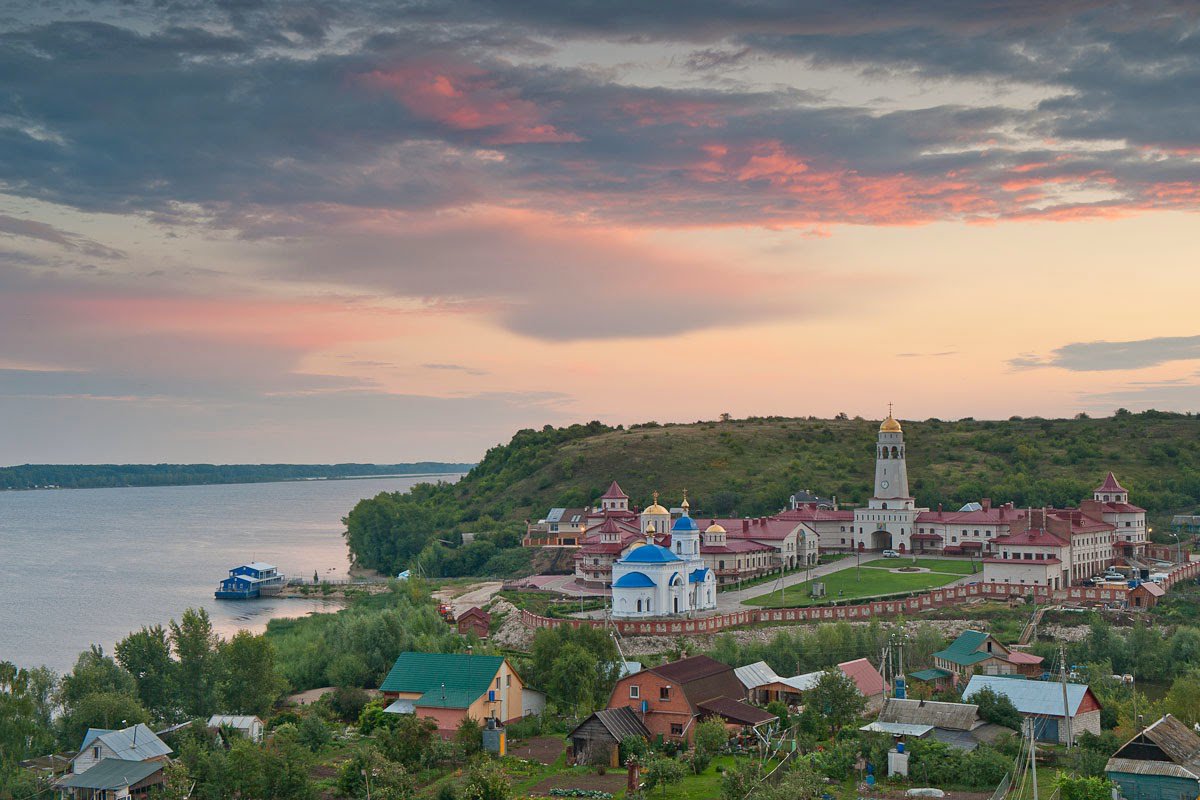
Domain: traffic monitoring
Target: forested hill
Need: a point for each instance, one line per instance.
(92, 476)
(750, 467)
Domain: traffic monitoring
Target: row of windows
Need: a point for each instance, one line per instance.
(635, 692)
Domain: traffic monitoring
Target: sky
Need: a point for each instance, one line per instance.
(376, 230)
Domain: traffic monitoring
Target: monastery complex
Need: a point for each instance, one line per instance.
(659, 561)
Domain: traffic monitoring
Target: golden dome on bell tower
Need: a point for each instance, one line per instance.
(890, 425)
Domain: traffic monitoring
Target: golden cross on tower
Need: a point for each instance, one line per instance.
(889, 409)
(655, 493)
(685, 502)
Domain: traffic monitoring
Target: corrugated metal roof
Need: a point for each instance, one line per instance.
(135, 743)
(112, 773)
(897, 728)
(932, 674)
(1030, 697)
(757, 674)
(430, 672)
(236, 721)
(737, 711)
(622, 722)
(1174, 739)
(965, 649)
(1135, 766)
(952, 716)
(401, 706)
(865, 676)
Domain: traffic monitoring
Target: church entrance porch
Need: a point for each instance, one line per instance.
(881, 540)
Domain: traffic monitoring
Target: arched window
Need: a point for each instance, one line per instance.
(639, 604)
(883, 453)
(885, 506)
(895, 452)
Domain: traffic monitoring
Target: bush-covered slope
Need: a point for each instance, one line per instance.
(749, 467)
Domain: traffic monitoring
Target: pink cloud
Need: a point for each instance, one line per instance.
(466, 98)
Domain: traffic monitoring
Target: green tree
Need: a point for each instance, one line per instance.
(708, 740)
(486, 781)
(195, 646)
(1071, 788)
(95, 672)
(801, 782)
(1183, 700)
(313, 733)
(837, 697)
(739, 780)
(101, 710)
(249, 684)
(23, 729)
(370, 769)
(997, 708)
(469, 736)
(663, 772)
(407, 739)
(146, 655)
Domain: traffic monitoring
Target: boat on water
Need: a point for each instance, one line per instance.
(248, 581)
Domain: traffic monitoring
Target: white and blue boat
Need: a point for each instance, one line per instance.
(251, 580)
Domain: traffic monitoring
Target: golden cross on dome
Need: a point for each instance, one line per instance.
(889, 409)
(655, 497)
(685, 502)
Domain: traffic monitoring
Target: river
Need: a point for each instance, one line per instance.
(87, 566)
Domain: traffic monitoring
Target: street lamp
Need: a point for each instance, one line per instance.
(1178, 548)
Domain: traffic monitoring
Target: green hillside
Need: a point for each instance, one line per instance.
(749, 467)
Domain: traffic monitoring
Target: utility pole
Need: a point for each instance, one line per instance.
(901, 689)
(1062, 671)
(1033, 758)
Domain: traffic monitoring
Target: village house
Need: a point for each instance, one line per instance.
(976, 652)
(447, 687)
(955, 724)
(561, 527)
(762, 685)
(597, 740)
(114, 764)
(1160, 763)
(474, 620)
(1042, 701)
(670, 699)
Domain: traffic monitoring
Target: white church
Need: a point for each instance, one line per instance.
(656, 581)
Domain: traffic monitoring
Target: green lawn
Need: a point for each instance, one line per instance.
(935, 564)
(850, 585)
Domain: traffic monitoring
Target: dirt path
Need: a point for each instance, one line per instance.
(461, 598)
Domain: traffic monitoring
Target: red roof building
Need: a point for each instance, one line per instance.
(672, 698)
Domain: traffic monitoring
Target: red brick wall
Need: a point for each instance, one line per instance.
(937, 598)
(661, 713)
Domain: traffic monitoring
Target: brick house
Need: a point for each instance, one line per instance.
(672, 698)
(474, 620)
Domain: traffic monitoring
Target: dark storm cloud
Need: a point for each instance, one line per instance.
(225, 111)
(262, 115)
(1096, 356)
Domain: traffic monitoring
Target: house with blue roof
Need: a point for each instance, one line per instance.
(1043, 702)
(116, 764)
(651, 580)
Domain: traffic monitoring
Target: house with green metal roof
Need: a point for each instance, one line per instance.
(447, 687)
(115, 778)
(976, 652)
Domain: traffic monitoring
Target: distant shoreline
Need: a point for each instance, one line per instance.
(44, 478)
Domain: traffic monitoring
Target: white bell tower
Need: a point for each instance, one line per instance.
(891, 470)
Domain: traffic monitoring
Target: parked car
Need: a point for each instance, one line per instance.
(890, 554)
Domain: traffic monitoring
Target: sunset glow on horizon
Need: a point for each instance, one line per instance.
(329, 230)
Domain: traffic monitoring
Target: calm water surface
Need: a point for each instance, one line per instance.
(84, 566)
